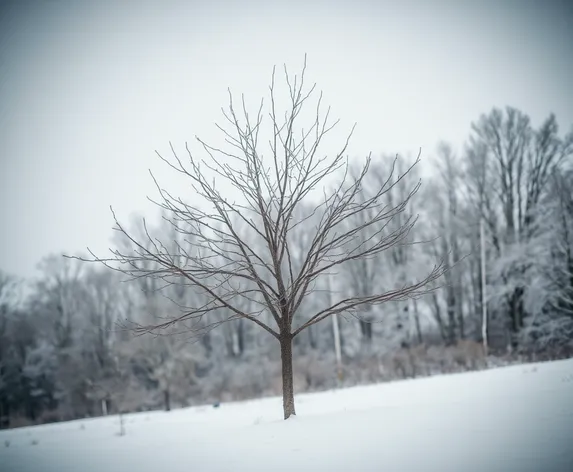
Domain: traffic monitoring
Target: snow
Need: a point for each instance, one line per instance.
(514, 418)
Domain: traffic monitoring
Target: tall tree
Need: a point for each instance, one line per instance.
(226, 265)
(443, 225)
(60, 308)
(516, 161)
(549, 278)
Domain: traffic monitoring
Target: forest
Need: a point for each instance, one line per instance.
(498, 214)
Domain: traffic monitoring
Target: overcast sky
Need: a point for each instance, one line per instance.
(89, 89)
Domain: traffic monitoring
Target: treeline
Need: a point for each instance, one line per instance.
(508, 195)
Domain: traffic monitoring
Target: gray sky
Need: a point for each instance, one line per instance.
(89, 89)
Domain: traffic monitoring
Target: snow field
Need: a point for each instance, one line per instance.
(513, 418)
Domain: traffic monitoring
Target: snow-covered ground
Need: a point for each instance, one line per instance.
(509, 419)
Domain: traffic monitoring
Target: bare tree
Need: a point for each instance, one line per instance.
(444, 222)
(228, 266)
(119, 390)
(102, 298)
(365, 275)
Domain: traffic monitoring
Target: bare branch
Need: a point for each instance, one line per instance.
(232, 252)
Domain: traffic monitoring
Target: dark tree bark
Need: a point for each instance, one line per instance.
(366, 329)
(241, 337)
(167, 399)
(287, 375)
(311, 338)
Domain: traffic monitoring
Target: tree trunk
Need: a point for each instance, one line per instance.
(3, 416)
(451, 313)
(288, 379)
(206, 340)
(311, 338)
(366, 330)
(241, 334)
(417, 321)
(438, 317)
(121, 424)
(167, 399)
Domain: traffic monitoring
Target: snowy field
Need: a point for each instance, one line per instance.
(508, 419)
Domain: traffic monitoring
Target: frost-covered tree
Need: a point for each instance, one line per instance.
(59, 307)
(392, 268)
(509, 168)
(548, 257)
(8, 352)
(446, 226)
(165, 364)
(104, 304)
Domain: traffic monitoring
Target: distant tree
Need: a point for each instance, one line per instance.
(120, 390)
(61, 308)
(445, 228)
(7, 311)
(509, 172)
(549, 258)
(227, 266)
(391, 269)
(100, 340)
(165, 363)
